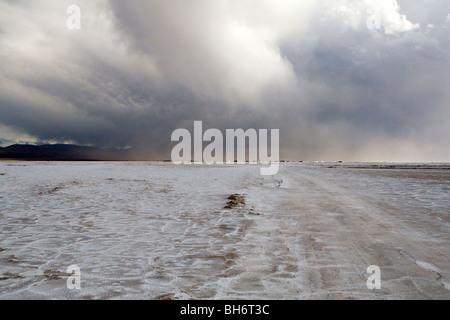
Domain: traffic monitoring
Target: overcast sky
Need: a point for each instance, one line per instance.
(138, 70)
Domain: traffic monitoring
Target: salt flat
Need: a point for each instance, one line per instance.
(146, 230)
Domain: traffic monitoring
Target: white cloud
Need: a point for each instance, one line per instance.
(357, 14)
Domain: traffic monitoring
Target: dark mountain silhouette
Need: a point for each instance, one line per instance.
(65, 152)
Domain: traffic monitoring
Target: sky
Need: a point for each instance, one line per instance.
(343, 80)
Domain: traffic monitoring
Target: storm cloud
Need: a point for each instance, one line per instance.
(342, 80)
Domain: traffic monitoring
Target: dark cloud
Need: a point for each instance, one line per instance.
(137, 70)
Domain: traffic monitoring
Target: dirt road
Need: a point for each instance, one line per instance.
(324, 228)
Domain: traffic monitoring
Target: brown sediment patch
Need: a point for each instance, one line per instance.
(50, 191)
(230, 259)
(10, 259)
(291, 268)
(167, 296)
(88, 224)
(54, 275)
(230, 272)
(229, 263)
(214, 257)
(24, 219)
(55, 189)
(234, 201)
(231, 256)
(279, 183)
(252, 212)
(314, 244)
(207, 256)
(8, 276)
(226, 227)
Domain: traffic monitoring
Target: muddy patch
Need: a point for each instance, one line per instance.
(54, 275)
(168, 296)
(10, 259)
(235, 200)
(9, 276)
(53, 190)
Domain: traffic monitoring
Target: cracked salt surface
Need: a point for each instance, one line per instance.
(143, 230)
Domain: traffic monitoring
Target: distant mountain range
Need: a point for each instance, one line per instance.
(66, 152)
